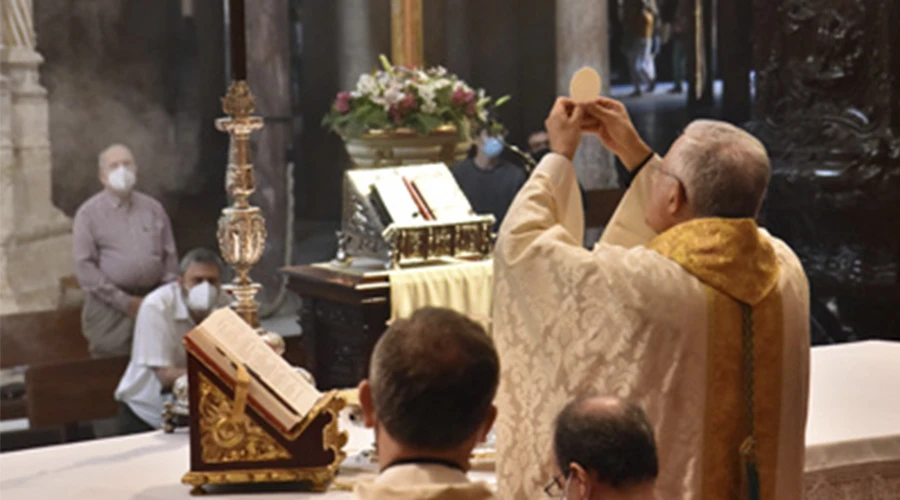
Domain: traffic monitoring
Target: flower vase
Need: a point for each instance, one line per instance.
(391, 148)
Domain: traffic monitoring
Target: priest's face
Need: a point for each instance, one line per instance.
(666, 204)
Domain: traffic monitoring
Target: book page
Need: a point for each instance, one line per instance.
(397, 200)
(443, 196)
(260, 394)
(229, 330)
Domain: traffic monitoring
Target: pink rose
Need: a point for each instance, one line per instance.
(458, 97)
(462, 97)
(408, 102)
(343, 102)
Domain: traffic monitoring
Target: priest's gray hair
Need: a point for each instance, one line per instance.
(725, 170)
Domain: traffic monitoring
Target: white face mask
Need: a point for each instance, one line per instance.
(202, 297)
(121, 179)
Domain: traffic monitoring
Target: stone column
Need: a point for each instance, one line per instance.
(268, 73)
(364, 32)
(582, 40)
(36, 236)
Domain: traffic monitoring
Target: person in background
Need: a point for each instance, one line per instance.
(489, 182)
(123, 248)
(429, 396)
(538, 144)
(158, 357)
(638, 22)
(603, 449)
(676, 16)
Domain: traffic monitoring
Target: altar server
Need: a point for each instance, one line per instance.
(603, 448)
(429, 397)
(685, 306)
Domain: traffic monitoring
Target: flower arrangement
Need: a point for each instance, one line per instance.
(397, 97)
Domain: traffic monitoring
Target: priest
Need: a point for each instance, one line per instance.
(685, 307)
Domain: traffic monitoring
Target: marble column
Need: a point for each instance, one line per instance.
(364, 33)
(268, 73)
(582, 40)
(35, 236)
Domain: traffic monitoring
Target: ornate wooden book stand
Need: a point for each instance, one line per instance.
(234, 441)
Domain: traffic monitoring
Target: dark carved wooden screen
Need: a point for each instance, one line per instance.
(828, 108)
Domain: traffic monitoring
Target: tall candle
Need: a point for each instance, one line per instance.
(238, 39)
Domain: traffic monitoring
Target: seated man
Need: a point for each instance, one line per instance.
(429, 397)
(158, 357)
(604, 448)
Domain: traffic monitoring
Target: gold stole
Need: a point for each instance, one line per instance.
(738, 266)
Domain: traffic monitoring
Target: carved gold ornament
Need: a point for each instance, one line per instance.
(227, 436)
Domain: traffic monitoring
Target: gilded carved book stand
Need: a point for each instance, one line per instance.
(242, 429)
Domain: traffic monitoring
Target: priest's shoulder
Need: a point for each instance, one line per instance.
(786, 255)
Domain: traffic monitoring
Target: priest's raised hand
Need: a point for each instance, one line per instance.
(564, 126)
(609, 121)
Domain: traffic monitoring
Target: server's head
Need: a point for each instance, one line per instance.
(604, 448)
(713, 170)
(431, 386)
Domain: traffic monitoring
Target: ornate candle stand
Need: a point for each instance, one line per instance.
(242, 228)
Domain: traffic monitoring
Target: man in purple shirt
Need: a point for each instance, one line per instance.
(123, 249)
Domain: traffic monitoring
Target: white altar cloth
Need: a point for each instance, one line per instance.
(853, 445)
(853, 428)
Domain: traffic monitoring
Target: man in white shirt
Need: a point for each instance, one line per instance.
(157, 356)
(429, 396)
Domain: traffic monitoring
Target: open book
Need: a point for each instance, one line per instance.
(224, 340)
(414, 194)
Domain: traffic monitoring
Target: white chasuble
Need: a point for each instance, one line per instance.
(655, 319)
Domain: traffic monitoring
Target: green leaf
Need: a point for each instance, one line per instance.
(429, 122)
(502, 100)
(386, 64)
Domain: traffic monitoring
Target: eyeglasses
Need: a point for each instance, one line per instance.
(556, 488)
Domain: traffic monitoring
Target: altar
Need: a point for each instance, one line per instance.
(852, 450)
(345, 309)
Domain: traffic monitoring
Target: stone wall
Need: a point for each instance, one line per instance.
(150, 76)
(35, 236)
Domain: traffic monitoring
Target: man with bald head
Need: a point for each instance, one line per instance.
(685, 306)
(603, 448)
(123, 248)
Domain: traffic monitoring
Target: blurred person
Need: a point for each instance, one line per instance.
(538, 144)
(639, 29)
(489, 182)
(158, 356)
(123, 248)
(676, 16)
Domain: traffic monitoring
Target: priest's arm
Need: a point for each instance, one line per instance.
(547, 217)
